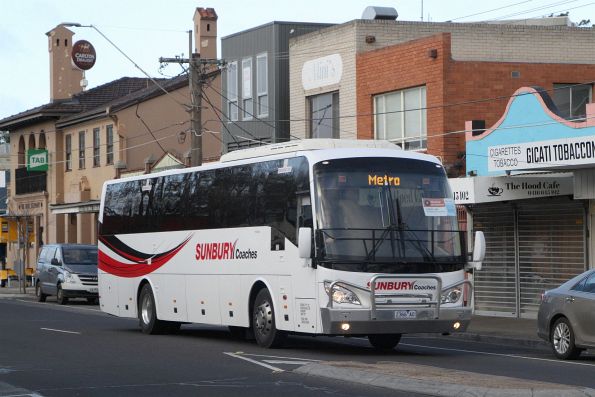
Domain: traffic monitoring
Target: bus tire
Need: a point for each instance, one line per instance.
(263, 321)
(147, 314)
(384, 341)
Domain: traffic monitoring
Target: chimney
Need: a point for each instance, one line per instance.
(65, 78)
(205, 32)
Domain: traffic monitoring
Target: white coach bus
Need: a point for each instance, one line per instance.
(320, 237)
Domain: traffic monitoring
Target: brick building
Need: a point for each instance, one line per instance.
(416, 83)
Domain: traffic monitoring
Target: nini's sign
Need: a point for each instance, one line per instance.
(37, 160)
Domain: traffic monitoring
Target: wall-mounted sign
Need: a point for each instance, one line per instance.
(321, 72)
(484, 189)
(542, 154)
(37, 160)
(83, 55)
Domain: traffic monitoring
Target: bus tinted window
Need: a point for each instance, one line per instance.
(259, 194)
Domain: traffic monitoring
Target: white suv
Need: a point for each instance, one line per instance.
(67, 271)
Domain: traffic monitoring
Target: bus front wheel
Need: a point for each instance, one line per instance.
(263, 321)
(384, 341)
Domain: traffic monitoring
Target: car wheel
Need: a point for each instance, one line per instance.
(384, 341)
(147, 315)
(60, 296)
(562, 339)
(40, 295)
(263, 322)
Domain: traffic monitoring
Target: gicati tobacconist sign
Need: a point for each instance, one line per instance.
(542, 154)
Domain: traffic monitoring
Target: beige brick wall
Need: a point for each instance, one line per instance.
(335, 41)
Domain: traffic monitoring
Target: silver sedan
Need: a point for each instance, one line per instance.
(566, 316)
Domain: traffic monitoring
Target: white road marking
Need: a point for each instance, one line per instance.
(500, 355)
(287, 362)
(274, 369)
(63, 307)
(282, 357)
(61, 330)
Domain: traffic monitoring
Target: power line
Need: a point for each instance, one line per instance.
(493, 9)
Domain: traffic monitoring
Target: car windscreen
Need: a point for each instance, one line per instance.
(80, 256)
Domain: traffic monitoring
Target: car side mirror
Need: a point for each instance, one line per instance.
(55, 262)
(305, 242)
(479, 252)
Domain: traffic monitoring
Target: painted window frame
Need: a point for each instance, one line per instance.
(247, 97)
(232, 95)
(262, 85)
(96, 147)
(559, 90)
(109, 144)
(68, 152)
(382, 117)
(82, 150)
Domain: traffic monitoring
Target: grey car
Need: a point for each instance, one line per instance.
(566, 316)
(67, 271)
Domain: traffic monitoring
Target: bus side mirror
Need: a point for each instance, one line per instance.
(305, 242)
(479, 252)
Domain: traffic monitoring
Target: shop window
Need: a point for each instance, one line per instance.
(571, 100)
(401, 117)
(324, 115)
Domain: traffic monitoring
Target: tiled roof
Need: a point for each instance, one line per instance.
(80, 102)
(207, 13)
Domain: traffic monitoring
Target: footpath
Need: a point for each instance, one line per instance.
(433, 381)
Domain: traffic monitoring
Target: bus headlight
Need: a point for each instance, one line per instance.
(342, 294)
(451, 296)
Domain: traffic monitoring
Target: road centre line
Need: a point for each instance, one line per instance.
(288, 362)
(274, 369)
(60, 330)
(499, 355)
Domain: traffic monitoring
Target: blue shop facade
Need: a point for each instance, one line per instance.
(531, 189)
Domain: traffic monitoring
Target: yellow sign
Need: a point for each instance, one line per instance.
(383, 180)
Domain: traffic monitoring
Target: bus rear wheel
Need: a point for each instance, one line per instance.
(263, 321)
(147, 315)
(384, 341)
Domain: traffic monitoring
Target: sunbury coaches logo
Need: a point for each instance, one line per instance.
(222, 251)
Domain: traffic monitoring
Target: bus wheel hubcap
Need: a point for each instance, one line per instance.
(263, 318)
(146, 310)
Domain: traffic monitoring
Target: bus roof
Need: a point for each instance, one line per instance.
(305, 144)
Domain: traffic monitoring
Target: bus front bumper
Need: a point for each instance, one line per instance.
(337, 321)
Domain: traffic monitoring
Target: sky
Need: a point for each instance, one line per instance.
(148, 29)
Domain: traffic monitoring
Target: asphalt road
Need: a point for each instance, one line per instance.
(75, 350)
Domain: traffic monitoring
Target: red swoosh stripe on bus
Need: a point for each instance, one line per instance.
(121, 269)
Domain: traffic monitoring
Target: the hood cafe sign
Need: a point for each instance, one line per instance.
(485, 189)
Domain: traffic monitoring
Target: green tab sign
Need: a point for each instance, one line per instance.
(37, 160)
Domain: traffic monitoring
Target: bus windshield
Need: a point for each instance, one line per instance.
(388, 215)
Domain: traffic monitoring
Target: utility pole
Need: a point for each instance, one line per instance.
(197, 74)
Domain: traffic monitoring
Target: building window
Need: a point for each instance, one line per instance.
(571, 100)
(232, 91)
(109, 144)
(95, 147)
(400, 117)
(262, 86)
(81, 150)
(324, 115)
(247, 102)
(68, 145)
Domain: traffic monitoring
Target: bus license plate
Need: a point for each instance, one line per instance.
(405, 314)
